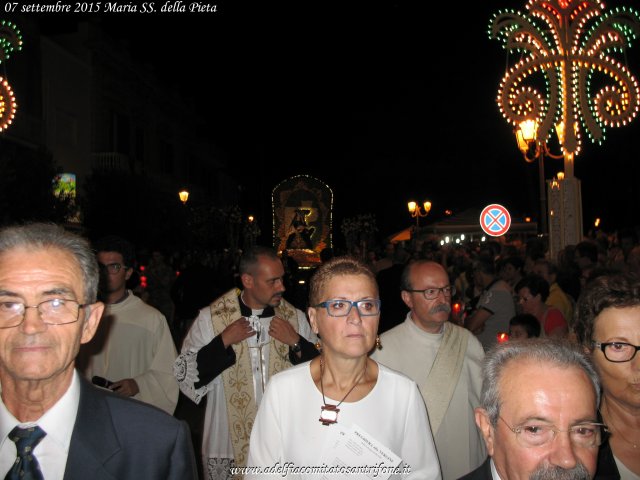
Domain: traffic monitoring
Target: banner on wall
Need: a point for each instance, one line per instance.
(302, 209)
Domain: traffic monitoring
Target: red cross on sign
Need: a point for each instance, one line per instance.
(495, 220)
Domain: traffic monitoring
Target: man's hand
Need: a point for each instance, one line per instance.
(283, 331)
(126, 387)
(236, 332)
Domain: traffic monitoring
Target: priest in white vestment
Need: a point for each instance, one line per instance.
(445, 361)
(133, 348)
(232, 349)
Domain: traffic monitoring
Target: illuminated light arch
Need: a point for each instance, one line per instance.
(7, 104)
(10, 41)
(568, 71)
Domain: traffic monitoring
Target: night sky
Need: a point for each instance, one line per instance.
(384, 101)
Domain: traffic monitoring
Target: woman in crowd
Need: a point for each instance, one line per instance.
(608, 324)
(343, 395)
(532, 292)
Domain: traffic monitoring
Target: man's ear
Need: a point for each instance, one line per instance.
(484, 424)
(406, 298)
(129, 273)
(91, 321)
(247, 280)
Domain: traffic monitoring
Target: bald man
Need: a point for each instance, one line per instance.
(444, 360)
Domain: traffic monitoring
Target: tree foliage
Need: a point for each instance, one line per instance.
(26, 192)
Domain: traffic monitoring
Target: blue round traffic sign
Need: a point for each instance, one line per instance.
(495, 220)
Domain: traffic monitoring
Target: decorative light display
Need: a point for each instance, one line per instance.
(7, 104)
(567, 77)
(10, 41)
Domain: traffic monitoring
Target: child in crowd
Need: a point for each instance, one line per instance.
(523, 326)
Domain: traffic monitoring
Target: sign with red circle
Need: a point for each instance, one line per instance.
(495, 220)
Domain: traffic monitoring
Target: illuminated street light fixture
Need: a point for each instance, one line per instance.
(532, 150)
(417, 212)
(184, 196)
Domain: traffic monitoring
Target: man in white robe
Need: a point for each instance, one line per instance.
(232, 349)
(444, 360)
(133, 348)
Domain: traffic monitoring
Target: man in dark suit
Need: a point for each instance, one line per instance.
(53, 424)
(538, 413)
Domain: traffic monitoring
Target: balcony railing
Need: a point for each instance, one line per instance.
(111, 161)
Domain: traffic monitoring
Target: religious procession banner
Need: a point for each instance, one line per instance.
(302, 216)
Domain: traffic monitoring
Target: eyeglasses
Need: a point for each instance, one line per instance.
(432, 293)
(112, 268)
(341, 308)
(617, 352)
(585, 435)
(57, 311)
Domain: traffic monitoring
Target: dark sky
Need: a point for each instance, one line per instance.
(384, 101)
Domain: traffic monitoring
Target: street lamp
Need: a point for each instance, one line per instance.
(184, 196)
(532, 150)
(417, 212)
(250, 231)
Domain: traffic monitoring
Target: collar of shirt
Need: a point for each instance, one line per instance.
(247, 312)
(57, 422)
(494, 472)
(418, 331)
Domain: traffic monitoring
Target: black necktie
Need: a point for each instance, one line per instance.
(26, 466)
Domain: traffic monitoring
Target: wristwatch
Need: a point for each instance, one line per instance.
(296, 347)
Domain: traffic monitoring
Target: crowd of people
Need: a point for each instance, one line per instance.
(478, 361)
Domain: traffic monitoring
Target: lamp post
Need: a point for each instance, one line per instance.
(532, 150)
(567, 77)
(184, 196)
(250, 232)
(417, 212)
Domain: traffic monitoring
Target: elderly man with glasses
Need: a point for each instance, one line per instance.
(445, 361)
(539, 412)
(54, 424)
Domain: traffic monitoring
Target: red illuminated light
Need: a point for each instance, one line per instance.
(503, 337)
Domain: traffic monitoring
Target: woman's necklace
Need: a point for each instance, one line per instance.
(328, 412)
(617, 430)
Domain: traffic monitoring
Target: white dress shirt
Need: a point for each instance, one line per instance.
(57, 423)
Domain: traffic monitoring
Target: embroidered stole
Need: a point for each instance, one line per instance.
(238, 378)
(445, 371)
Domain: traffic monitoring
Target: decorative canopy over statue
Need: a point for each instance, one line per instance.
(302, 209)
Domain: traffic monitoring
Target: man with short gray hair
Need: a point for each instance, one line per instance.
(53, 423)
(538, 412)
